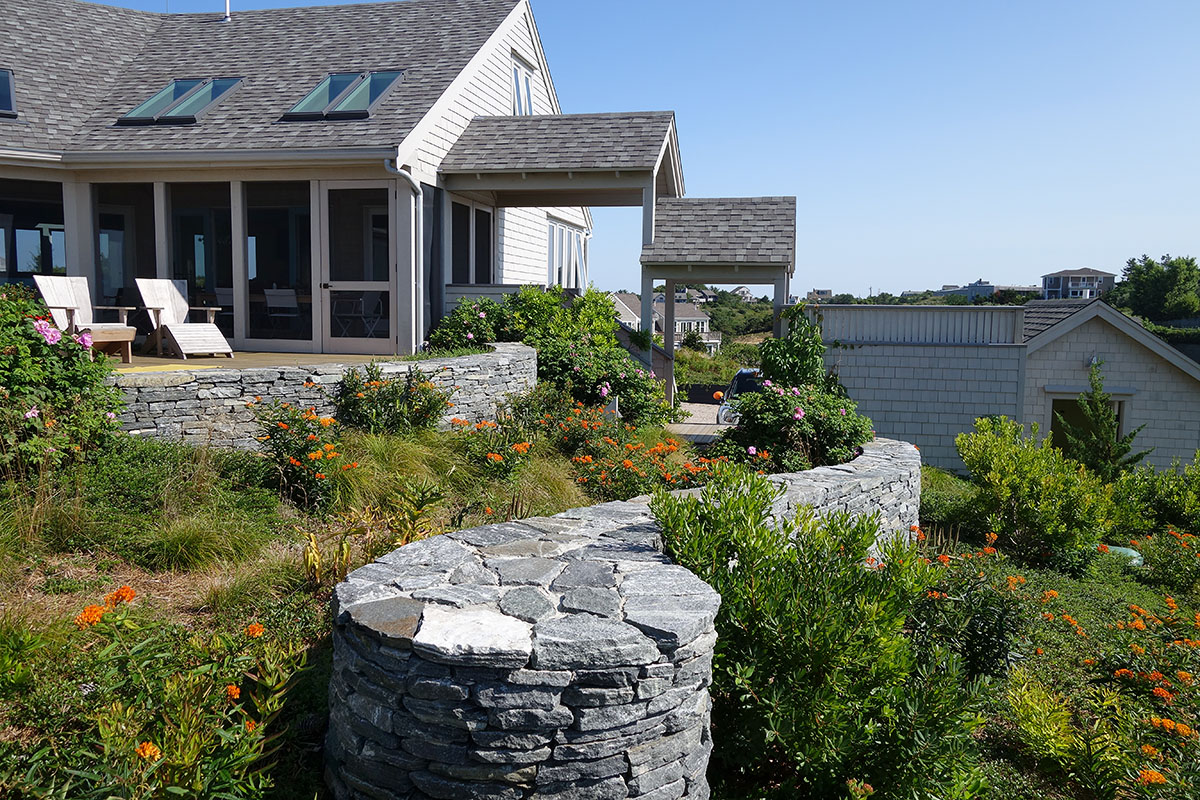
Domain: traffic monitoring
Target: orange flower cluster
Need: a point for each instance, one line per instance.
(522, 447)
(943, 559)
(233, 692)
(1170, 726)
(1103, 548)
(254, 630)
(1049, 595)
(496, 457)
(148, 751)
(90, 616)
(124, 594)
(1147, 777)
(1014, 581)
(936, 595)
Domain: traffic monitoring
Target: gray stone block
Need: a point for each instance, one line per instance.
(582, 641)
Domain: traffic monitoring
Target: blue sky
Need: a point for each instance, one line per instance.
(927, 142)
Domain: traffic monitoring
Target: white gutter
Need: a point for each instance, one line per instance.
(419, 256)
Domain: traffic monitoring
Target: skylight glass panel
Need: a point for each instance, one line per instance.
(366, 93)
(183, 100)
(326, 92)
(8, 107)
(196, 102)
(345, 95)
(174, 91)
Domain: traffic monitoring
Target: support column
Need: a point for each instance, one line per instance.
(669, 340)
(648, 199)
(241, 273)
(780, 303)
(407, 263)
(317, 249)
(162, 231)
(79, 232)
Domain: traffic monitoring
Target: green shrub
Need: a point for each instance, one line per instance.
(500, 449)
(1149, 500)
(1096, 441)
(814, 681)
(55, 403)
(1046, 508)
(368, 401)
(593, 373)
(472, 324)
(1171, 559)
(305, 450)
(538, 315)
(695, 367)
(798, 358)
(793, 429)
(948, 501)
(742, 353)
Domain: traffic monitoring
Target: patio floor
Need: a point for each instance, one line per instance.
(241, 360)
(701, 427)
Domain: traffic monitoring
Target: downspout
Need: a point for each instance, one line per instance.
(419, 256)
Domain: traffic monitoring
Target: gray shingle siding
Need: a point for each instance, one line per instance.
(630, 141)
(281, 53)
(723, 230)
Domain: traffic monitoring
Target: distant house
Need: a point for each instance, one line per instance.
(820, 295)
(689, 318)
(744, 293)
(924, 373)
(1076, 284)
(628, 307)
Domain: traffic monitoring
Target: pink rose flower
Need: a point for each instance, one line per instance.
(32, 412)
(50, 333)
(84, 339)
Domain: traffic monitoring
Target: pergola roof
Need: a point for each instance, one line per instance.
(559, 142)
(567, 159)
(723, 232)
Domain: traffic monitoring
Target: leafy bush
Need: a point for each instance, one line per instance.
(965, 611)
(370, 402)
(1171, 560)
(695, 367)
(814, 682)
(1149, 500)
(305, 450)
(471, 324)
(500, 449)
(593, 373)
(1046, 508)
(539, 315)
(793, 429)
(174, 715)
(747, 355)
(55, 403)
(798, 358)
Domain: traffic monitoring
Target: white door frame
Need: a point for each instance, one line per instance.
(324, 286)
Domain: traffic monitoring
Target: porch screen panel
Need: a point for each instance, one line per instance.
(460, 254)
(202, 244)
(278, 261)
(435, 280)
(31, 216)
(125, 243)
(483, 246)
(358, 252)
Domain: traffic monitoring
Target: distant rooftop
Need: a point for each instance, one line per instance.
(1065, 273)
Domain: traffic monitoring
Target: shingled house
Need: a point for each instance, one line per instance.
(924, 373)
(334, 178)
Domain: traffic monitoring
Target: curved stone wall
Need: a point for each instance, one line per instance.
(556, 657)
(559, 657)
(208, 406)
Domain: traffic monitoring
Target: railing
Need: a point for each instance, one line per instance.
(952, 325)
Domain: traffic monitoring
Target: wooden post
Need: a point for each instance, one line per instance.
(162, 231)
(669, 339)
(241, 269)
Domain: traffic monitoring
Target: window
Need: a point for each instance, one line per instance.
(470, 244)
(522, 86)
(182, 101)
(345, 95)
(8, 100)
(566, 256)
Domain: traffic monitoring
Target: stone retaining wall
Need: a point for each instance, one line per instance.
(208, 406)
(556, 657)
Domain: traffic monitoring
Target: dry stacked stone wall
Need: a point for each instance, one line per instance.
(556, 657)
(208, 406)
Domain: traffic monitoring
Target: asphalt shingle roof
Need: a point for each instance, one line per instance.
(723, 230)
(1041, 315)
(560, 142)
(81, 66)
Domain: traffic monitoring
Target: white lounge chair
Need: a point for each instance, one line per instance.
(166, 300)
(70, 302)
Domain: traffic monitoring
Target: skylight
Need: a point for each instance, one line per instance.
(345, 95)
(8, 103)
(182, 101)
